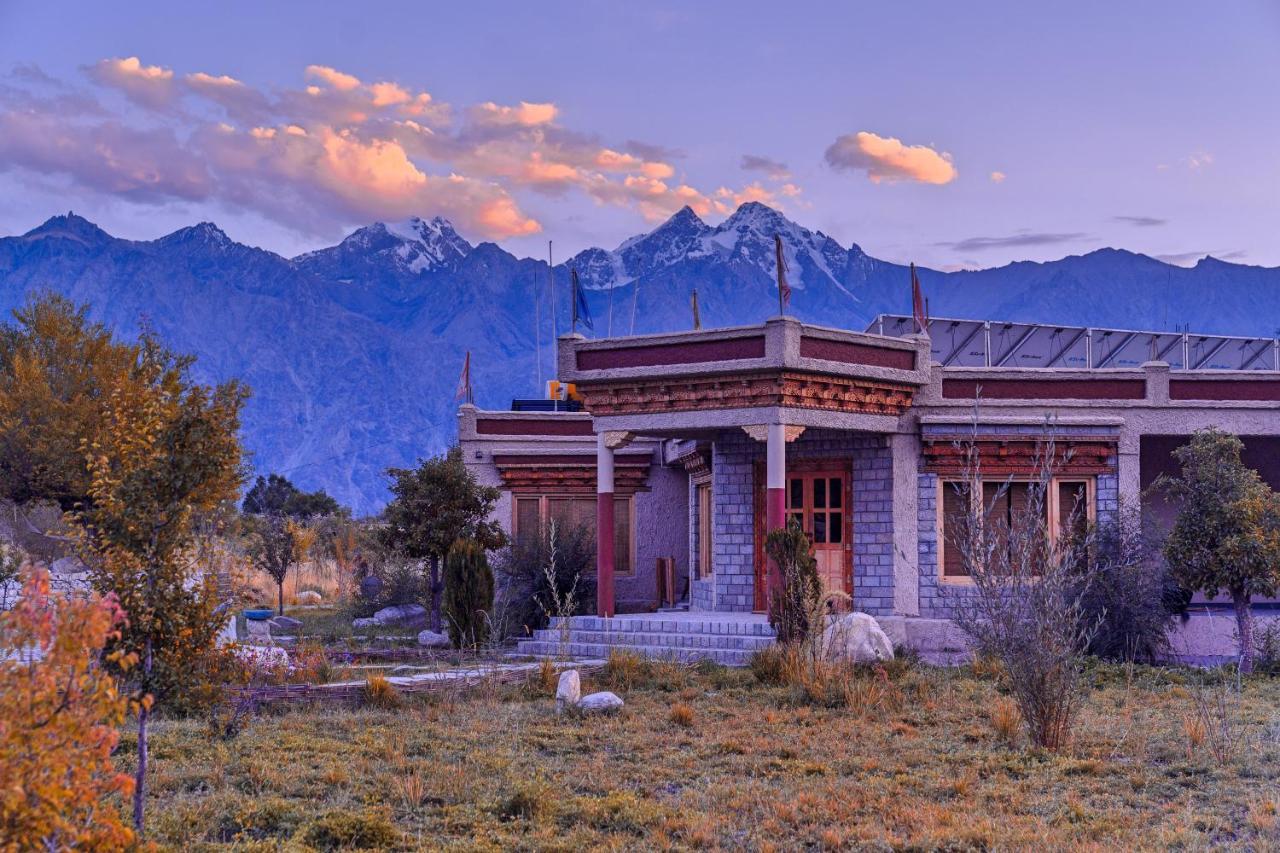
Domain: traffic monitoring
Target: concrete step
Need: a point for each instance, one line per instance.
(677, 640)
(726, 657)
(657, 624)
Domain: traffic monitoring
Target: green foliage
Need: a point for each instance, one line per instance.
(276, 495)
(468, 594)
(401, 582)
(537, 572)
(436, 504)
(1227, 532)
(346, 830)
(790, 613)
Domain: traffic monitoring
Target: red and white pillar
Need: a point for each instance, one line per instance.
(775, 498)
(604, 527)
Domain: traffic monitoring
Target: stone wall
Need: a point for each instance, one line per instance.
(733, 465)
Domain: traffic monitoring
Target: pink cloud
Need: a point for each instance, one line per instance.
(148, 85)
(888, 159)
(333, 77)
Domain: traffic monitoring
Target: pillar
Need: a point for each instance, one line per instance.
(775, 498)
(604, 527)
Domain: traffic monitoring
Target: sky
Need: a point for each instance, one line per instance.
(949, 134)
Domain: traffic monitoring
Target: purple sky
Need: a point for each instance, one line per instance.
(946, 133)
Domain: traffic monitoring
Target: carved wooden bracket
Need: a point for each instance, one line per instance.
(615, 439)
(760, 432)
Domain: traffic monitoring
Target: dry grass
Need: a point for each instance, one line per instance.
(755, 769)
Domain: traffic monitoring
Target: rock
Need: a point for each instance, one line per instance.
(569, 689)
(600, 703)
(857, 638)
(402, 615)
(258, 627)
(263, 657)
(309, 596)
(285, 624)
(227, 635)
(432, 640)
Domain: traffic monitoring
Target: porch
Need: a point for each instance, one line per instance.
(726, 638)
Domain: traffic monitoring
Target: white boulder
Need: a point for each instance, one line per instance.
(569, 689)
(600, 703)
(433, 640)
(857, 638)
(309, 596)
(263, 657)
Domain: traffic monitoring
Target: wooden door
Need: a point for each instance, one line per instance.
(819, 502)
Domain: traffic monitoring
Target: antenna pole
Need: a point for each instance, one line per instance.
(555, 332)
(537, 335)
(635, 298)
(609, 333)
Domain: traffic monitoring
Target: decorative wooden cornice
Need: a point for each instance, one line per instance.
(1019, 457)
(791, 389)
(697, 464)
(615, 439)
(570, 473)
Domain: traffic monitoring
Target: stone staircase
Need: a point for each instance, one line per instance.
(728, 639)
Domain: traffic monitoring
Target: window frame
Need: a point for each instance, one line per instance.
(706, 530)
(544, 501)
(1051, 508)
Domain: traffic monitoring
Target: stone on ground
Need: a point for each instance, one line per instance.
(284, 624)
(604, 702)
(569, 689)
(857, 638)
(433, 640)
(401, 615)
(309, 596)
(263, 657)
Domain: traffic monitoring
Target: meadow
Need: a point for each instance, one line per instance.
(911, 757)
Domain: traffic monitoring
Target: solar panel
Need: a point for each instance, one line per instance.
(989, 343)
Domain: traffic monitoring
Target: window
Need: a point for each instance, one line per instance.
(706, 568)
(1068, 511)
(532, 513)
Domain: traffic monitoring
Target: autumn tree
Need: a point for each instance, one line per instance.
(132, 450)
(1226, 536)
(60, 712)
(436, 504)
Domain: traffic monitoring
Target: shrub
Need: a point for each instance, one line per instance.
(381, 694)
(792, 612)
(681, 714)
(400, 581)
(1127, 591)
(1024, 608)
(1005, 719)
(468, 594)
(59, 715)
(541, 576)
(769, 665)
(346, 830)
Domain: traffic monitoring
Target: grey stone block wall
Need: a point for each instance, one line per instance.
(733, 459)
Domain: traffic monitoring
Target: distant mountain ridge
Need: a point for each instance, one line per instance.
(353, 351)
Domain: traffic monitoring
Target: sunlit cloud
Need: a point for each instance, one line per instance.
(887, 159)
(998, 177)
(771, 167)
(337, 151)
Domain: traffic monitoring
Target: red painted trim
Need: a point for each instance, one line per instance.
(534, 426)
(691, 352)
(847, 352)
(569, 459)
(604, 554)
(1261, 390)
(1045, 389)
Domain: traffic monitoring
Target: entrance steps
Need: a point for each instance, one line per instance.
(725, 638)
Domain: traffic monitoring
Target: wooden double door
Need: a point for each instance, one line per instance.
(819, 499)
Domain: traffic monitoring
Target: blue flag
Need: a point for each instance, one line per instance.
(581, 313)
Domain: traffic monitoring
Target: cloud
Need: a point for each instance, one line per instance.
(148, 85)
(888, 159)
(1141, 221)
(1183, 259)
(1199, 160)
(1018, 240)
(998, 177)
(337, 151)
(772, 168)
(334, 78)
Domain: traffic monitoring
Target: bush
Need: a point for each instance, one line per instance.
(468, 594)
(801, 598)
(344, 831)
(1127, 591)
(542, 575)
(400, 581)
(381, 694)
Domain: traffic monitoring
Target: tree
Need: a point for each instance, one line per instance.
(59, 716)
(276, 495)
(1227, 532)
(274, 550)
(468, 594)
(436, 504)
(134, 449)
(790, 614)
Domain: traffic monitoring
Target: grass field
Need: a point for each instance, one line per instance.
(711, 758)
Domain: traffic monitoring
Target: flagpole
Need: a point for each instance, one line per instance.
(555, 344)
(573, 296)
(537, 335)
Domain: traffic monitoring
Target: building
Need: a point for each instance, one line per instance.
(690, 447)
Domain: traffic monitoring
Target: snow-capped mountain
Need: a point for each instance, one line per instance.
(353, 351)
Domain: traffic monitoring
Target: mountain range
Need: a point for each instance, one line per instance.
(353, 352)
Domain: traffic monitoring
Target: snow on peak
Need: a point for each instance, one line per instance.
(426, 244)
